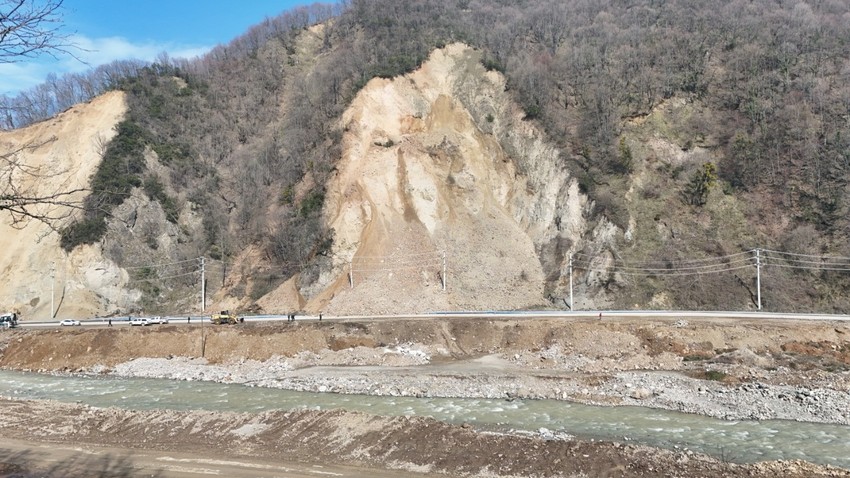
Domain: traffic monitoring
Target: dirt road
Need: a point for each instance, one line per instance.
(23, 459)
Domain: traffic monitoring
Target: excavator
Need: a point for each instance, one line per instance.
(225, 317)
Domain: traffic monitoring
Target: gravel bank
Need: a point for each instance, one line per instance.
(406, 371)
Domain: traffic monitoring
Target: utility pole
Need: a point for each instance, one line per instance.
(758, 276)
(571, 282)
(52, 288)
(203, 288)
(444, 270)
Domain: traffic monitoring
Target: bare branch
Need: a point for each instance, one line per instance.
(31, 28)
(21, 197)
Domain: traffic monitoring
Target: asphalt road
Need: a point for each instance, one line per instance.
(605, 314)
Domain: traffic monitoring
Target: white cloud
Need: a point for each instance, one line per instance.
(98, 51)
(91, 52)
(20, 76)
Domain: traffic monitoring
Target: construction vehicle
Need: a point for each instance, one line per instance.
(225, 317)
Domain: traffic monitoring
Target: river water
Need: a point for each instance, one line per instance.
(739, 441)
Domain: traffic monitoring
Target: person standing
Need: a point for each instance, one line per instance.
(110, 322)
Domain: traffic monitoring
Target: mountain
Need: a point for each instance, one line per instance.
(395, 157)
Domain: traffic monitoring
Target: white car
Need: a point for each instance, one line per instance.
(70, 322)
(140, 321)
(158, 320)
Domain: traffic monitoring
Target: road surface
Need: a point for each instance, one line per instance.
(605, 314)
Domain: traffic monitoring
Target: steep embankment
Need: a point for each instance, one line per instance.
(56, 156)
(441, 174)
(587, 346)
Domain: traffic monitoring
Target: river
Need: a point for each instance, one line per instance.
(737, 441)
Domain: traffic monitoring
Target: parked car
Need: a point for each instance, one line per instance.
(70, 322)
(158, 320)
(140, 321)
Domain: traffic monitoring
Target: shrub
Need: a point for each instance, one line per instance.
(119, 172)
(625, 162)
(87, 231)
(701, 184)
(491, 64)
(312, 203)
(715, 375)
(156, 191)
(532, 110)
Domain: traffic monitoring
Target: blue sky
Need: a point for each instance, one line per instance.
(121, 29)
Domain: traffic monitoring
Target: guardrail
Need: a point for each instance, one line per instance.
(604, 314)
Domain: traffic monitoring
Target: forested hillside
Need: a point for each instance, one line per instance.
(700, 128)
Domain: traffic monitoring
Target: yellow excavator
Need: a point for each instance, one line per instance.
(225, 317)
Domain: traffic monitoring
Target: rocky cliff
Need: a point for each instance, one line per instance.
(440, 174)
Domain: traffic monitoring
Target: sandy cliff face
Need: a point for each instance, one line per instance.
(441, 175)
(36, 271)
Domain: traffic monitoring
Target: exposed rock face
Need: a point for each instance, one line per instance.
(440, 164)
(36, 271)
(445, 198)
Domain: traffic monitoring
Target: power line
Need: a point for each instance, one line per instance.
(665, 270)
(649, 274)
(164, 264)
(840, 258)
(785, 266)
(668, 261)
(412, 254)
(154, 279)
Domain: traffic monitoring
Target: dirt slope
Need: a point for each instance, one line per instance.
(67, 153)
(605, 347)
(426, 186)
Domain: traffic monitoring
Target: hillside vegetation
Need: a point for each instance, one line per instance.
(699, 128)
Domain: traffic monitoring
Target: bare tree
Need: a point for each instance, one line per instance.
(24, 202)
(29, 28)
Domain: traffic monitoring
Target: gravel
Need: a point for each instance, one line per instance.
(404, 370)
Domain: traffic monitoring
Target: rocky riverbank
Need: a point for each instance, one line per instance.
(496, 377)
(728, 370)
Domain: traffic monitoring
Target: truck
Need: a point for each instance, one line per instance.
(225, 317)
(9, 320)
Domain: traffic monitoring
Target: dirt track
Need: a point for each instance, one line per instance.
(455, 358)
